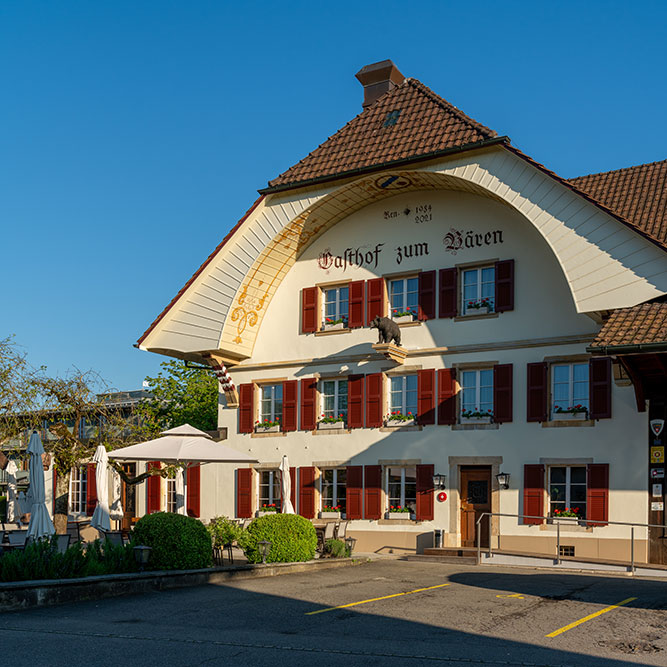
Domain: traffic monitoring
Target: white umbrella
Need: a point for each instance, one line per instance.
(286, 486)
(180, 490)
(116, 509)
(100, 518)
(40, 521)
(12, 501)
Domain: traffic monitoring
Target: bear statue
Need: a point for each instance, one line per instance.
(388, 330)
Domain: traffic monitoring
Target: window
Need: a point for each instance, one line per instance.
(336, 305)
(170, 494)
(334, 399)
(271, 408)
(333, 483)
(479, 290)
(403, 395)
(269, 489)
(404, 297)
(477, 393)
(570, 388)
(402, 488)
(567, 490)
(78, 487)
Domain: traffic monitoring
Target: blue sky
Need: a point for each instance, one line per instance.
(133, 135)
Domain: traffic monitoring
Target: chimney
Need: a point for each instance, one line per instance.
(378, 79)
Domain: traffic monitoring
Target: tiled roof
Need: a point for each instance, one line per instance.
(639, 194)
(408, 122)
(639, 325)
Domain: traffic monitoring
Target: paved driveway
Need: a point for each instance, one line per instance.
(381, 613)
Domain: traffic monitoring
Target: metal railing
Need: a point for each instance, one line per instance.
(558, 521)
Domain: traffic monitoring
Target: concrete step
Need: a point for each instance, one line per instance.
(451, 551)
(459, 560)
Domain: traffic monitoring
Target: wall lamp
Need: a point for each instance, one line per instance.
(503, 480)
(439, 481)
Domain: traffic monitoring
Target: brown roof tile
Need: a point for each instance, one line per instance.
(639, 325)
(425, 124)
(639, 194)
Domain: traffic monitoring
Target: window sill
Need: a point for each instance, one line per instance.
(331, 431)
(566, 423)
(394, 429)
(485, 316)
(475, 427)
(279, 434)
(415, 323)
(398, 522)
(565, 527)
(332, 332)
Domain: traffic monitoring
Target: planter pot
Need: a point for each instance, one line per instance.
(394, 423)
(260, 513)
(399, 515)
(329, 515)
(334, 327)
(569, 416)
(267, 429)
(330, 426)
(475, 420)
(478, 311)
(404, 319)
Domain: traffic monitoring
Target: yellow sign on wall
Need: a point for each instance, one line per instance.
(657, 454)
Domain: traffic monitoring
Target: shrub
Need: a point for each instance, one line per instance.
(223, 531)
(178, 542)
(292, 538)
(336, 549)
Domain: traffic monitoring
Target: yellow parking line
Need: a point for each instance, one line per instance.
(565, 628)
(384, 597)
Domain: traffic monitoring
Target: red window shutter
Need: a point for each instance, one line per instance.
(308, 407)
(356, 297)
(309, 309)
(599, 387)
(536, 404)
(446, 396)
(425, 492)
(373, 400)
(373, 492)
(91, 489)
(153, 486)
(502, 393)
(427, 295)
(448, 293)
(307, 492)
(246, 407)
(374, 299)
(504, 286)
(244, 492)
(355, 401)
(292, 495)
(289, 419)
(426, 396)
(533, 492)
(193, 503)
(597, 494)
(354, 492)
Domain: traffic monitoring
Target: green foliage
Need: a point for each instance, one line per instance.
(178, 542)
(181, 395)
(336, 549)
(292, 538)
(223, 531)
(3, 508)
(41, 560)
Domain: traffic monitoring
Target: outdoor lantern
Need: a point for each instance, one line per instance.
(503, 480)
(439, 481)
(141, 556)
(350, 542)
(264, 549)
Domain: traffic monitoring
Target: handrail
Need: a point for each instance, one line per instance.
(593, 522)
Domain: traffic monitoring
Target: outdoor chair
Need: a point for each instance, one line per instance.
(341, 533)
(326, 534)
(73, 531)
(114, 538)
(17, 538)
(62, 543)
(246, 523)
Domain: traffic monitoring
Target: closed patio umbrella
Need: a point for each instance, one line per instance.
(116, 509)
(40, 521)
(180, 491)
(13, 511)
(100, 518)
(286, 486)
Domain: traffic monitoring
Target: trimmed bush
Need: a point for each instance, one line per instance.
(336, 549)
(178, 542)
(293, 538)
(223, 531)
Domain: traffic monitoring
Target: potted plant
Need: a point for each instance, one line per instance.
(577, 412)
(567, 513)
(402, 316)
(267, 426)
(330, 512)
(267, 509)
(328, 423)
(397, 418)
(334, 323)
(476, 416)
(479, 306)
(399, 512)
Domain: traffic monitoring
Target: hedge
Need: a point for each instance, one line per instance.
(293, 538)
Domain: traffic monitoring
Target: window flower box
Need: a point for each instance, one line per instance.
(339, 326)
(330, 426)
(259, 513)
(404, 513)
(483, 310)
(261, 428)
(565, 415)
(265, 510)
(476, 420)
(478, 307)
(403, 319)
(476, 416)
(329, 515)
(393, 423)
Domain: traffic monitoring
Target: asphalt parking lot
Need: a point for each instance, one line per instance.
(381, 613)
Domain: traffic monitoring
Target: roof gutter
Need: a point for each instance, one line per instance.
(627, 349)
(384, 165)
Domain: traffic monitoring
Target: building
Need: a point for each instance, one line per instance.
(533, 324)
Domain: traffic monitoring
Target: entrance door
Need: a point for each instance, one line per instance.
(475, 499)
(128, 495)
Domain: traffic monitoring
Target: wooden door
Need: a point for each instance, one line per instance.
(475, 499)
(128, 495)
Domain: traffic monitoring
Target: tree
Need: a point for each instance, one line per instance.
(180, 395)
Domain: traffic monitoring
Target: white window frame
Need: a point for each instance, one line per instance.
(571, 401)
(479, 283)
(404, 294)
(337, 301)
(78, 490)
(337, 395)
(335, 500)
(402, 502)
(404, 393)
(272, 415)
(169, 495)
(274, 478)
(478, 388)
(568, 487)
